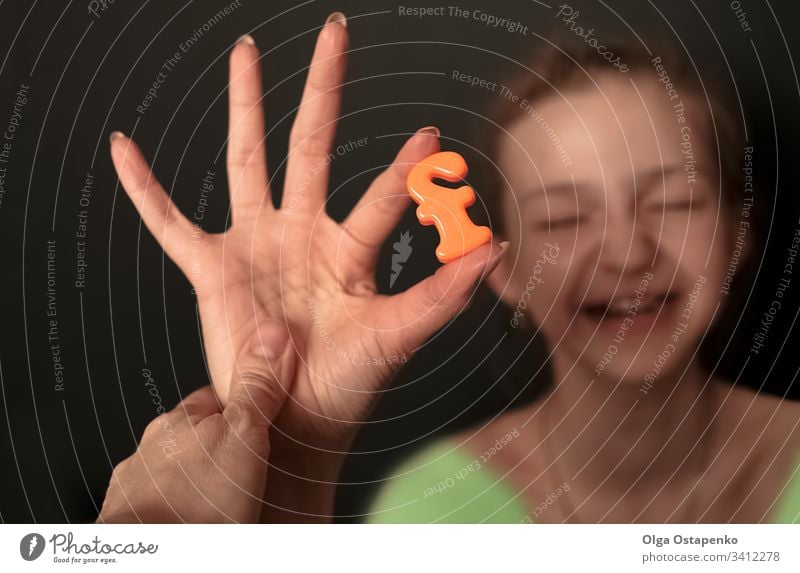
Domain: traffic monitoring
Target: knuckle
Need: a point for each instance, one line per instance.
(142, 180)
(396, 174)
(320, 79)
(435, 291)
(307, 142)
(242, 418)
(393, 195)
(244, 154)
(163, 424)
(155, 425)
(237, 414)
(257, 392)
(248, 426)
(120, 470)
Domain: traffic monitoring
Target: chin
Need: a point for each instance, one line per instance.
(632, 361)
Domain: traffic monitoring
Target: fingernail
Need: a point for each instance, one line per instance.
(339, 18)
(246, 39)
(429, 130)
(115, 135)
(497, 257)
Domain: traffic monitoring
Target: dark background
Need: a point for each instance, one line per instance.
(88, 74)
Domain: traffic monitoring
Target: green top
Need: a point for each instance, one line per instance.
(442, 484)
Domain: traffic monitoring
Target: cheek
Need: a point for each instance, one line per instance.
(699, 251)
(696, 245)
(540, 278)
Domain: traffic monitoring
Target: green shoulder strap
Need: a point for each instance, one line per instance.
(788, 508)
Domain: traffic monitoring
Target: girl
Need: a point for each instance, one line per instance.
(621, 193)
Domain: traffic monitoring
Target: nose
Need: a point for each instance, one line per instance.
(628, 245)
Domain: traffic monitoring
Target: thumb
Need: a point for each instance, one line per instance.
(262, 378)
(430, 304)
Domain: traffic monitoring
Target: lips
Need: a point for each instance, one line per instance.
(627, 305)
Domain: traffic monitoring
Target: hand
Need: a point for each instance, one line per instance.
(297, 271)
(199, 463)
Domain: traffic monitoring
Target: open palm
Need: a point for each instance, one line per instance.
(289, 294)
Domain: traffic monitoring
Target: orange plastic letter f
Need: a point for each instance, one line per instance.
(446, 208)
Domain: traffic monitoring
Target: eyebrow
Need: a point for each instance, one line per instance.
(560, 188)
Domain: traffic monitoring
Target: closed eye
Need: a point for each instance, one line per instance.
(679, 205)
(558, 223)
(686, 205)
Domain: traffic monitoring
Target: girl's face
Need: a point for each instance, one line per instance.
(623, 242)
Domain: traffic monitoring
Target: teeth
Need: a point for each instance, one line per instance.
(619, 306)
(623, 305)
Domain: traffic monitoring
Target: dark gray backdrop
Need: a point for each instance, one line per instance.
(87, 74)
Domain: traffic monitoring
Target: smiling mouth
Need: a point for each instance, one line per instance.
(620, 307)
